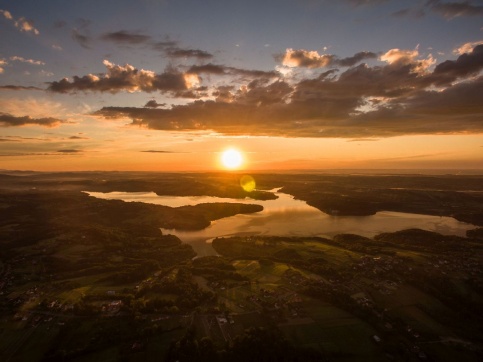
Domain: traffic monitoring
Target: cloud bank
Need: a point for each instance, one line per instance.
(404, 93)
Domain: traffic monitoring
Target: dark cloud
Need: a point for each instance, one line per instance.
(457, 109)
(208, 69)
(68, 150)
(453, 9)
(395, 98)
(153, 104)
(224, 94)
(83, 39)
(188, 53)
(466, 64)
(126, 78)
(7, 120)
(290, 120)
(447, 9)
(126, 37)
(356, 58)
(18, 87)
(260, 94)
(78, 138)
(172, 49)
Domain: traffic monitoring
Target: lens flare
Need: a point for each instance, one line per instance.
(248, 183)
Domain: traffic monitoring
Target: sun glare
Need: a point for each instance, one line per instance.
(231, 159)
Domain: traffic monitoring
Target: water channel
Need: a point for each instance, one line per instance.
(287, 216)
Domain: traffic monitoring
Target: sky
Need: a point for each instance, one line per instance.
(165, 85)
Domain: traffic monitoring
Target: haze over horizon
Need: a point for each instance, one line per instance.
(159, 85)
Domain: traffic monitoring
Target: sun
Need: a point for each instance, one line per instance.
(231, 159)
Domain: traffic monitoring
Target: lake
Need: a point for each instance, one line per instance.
(287, 216)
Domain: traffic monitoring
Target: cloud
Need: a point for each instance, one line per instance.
(467, 47)
(448, 10)
(136, 38)
(29, 61)
(3, 62)
(224, 94)
(408, 58)
(83, 39)
(127, 78)
(312, 59)
(356, 58)
(37, 107)
(188, 53)
(466, 64)
(208, 69)
(6, 14)
(172, 49)
(306, 58)
(78, 138)
(22, 24)
(452, 10)
(69, 151)
(56, 153)
(26, 26)
(169, 47)
(126, 37)
(18, 87)
(153, 104)
(395, 97)
(20, 138)
(8, 120)
(215, 69)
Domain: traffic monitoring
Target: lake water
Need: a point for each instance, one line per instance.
(287, 216)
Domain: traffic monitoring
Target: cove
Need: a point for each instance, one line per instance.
(286, 216)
